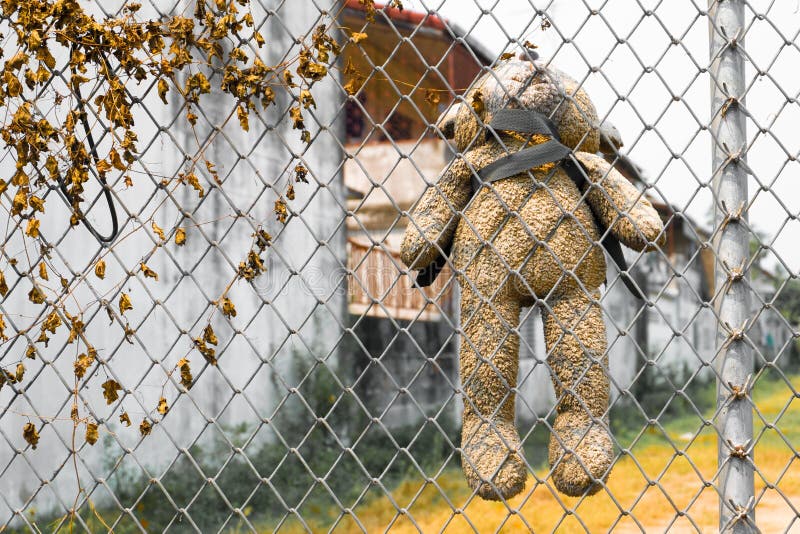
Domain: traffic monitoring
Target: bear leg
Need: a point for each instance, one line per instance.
(489, 360)
(581, 451)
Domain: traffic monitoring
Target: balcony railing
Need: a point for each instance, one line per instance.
(378, 286)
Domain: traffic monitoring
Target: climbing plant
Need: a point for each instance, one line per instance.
(100, 59)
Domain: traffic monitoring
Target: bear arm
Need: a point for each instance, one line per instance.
(433, 220)
(621, 207)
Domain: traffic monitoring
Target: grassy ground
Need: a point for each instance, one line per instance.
(662, 483)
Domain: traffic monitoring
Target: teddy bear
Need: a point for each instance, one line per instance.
(533, 233)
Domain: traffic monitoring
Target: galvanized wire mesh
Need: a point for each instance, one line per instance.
(335, 401)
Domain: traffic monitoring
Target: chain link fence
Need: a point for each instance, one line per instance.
(262, 359)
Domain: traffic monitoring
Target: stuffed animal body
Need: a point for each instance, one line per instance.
(530, 238)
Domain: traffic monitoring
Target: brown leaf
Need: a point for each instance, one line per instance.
(32, 229)
(180, 237)
(192, 179)
(116, 161)
(280, 210)
(30, 434)
(35, 295)
(306, 99)
(43, 271)
(297, 118)
(148, 272)
(145, 427)
(100, 269)
(186, 373)
(163, 407)
(125, 303)
(52, 322)
(228, 309)
(157, 229)
(208, 353)
(125, 419)
(82, 364)
(19, 372)
(91, 433)
(357, 37)
(209, 336)
(3, 336)
(242, 114)
(110, 390)
(3, 285)
(163, 87)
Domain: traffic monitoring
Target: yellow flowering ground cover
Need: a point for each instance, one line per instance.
(656, 486)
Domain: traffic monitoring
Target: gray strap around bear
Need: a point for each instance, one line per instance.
(530, 122)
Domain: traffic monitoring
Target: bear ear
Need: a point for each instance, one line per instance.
(447, 121)
(610, 139)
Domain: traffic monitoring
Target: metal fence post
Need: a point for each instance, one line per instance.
(734, 359)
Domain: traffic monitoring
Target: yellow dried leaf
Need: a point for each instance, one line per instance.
(32, 229)
(110, 390)
(186, 373)
(30, 434)
(100, 269)
(52, 322)
(82, 364)
(358, 37)
(148, 272)
(116, 161)
(280, 210)
(19, 372)
(194, 181)
(103, 167)
(3, 336)
(163, 407)
(242, 114)
(163, 87)
(43, 271)
(180, 237)
(259, 39)
(30, 352)
(3, 285)
(35, 295)
(91, 433)
(157, 229)
(209, 336)
(228, 309)
(145, 427)
(297, 118)
(125, 419)
(208, 353)
(36, 203)
(307, 99)
(125, 303)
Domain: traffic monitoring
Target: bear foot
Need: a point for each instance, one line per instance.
(581, 456)
(489, 456)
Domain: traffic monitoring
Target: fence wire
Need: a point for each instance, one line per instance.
(324, 389)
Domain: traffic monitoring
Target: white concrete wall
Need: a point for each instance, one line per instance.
(296, 307)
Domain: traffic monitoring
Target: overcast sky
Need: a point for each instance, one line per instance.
(649, 96)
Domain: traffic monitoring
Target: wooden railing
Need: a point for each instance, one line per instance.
(378, 286)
